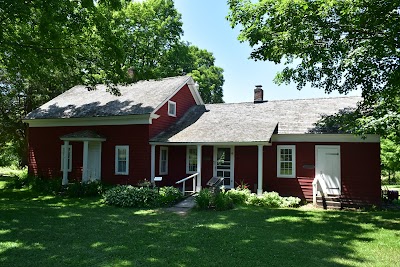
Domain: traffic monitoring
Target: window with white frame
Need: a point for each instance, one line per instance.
(172, 108)
(122, 160)
(163, 160)
(286, 158)
(69, 157)
(191, 159)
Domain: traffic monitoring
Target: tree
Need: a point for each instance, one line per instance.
(341, 45)
(46, 47)
(390, 158)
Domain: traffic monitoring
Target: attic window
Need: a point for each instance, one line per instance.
(172, 108)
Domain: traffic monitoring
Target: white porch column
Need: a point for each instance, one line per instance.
(85, 161)
(260, 170)
(199, 154)
(65, 163)
(153, 163)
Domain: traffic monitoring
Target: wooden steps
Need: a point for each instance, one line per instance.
(329, 202)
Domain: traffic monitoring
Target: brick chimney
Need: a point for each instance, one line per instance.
(258, 94)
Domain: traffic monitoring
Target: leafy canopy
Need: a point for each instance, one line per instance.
(336, 45)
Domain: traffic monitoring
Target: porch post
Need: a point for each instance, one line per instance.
(65, 163)
(153, 163)
(199, 154)
(85, 161)
(260, 170)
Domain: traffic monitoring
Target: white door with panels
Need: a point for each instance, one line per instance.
(327, 168)
(224, 165)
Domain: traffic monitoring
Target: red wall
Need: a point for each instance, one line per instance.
(45, 152)
(360, 171)
(184, 100)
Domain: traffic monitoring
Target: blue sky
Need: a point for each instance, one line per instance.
(205, 26)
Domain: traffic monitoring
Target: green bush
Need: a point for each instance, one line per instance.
(223, 201)
(271, 200)
(204, 199)
(239, 196)
(291, 202)
(46, 186)
(169, 195)
(19, 177)
(88, 189)
(129, 196)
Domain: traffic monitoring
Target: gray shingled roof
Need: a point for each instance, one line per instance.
(249, 122)
(138, 98)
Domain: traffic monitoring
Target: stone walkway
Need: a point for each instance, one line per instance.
(183, 207)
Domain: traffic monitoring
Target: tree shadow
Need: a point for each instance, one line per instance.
(342, 122)
(59, 232)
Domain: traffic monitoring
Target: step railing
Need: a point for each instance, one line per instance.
(183, 182)
(315, 183)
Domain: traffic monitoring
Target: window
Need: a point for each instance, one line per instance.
(69, 158)
(191, 159)
(122, 160)
(286, 161)
(172, 108)
(163, 160)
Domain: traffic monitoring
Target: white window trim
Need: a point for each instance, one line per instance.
(187, 159)
(116, 160)
(69, 158)
(163, 148)
(278, 161)
(169, 110)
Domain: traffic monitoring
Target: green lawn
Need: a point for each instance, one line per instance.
(48, 231)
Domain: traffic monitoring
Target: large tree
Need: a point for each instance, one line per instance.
(336, 45)
(46, 47)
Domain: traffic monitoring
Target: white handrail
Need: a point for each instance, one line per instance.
(183, 181)
(315, 190)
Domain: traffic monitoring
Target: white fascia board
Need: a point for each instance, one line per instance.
(82, 139)
(211, 144)
(92, 121)
(331, 138)
(190, 82)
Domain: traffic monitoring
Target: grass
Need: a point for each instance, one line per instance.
(52, 231)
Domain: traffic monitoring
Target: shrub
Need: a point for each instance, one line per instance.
(46, 186)
(19, 177)
(203, 199)
(239, 196)
(129, 196)
(271, 199)
(291, 202)
(88, 189)
(223, 201)
(169, 195)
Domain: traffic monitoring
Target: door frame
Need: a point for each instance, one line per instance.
(232, 165)
(317, 171)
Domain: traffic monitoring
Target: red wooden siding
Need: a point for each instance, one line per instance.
(360, 171)
(184, 100)
(246, 166)
(45, 152)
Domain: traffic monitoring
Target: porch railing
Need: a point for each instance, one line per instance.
(183, 182)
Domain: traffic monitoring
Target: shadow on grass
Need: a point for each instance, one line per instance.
(51, 231)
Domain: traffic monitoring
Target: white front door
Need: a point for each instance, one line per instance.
(94, 161)
(223, 165)
(327, 167)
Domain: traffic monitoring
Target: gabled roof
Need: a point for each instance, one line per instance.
(143, 97)
(249, 122)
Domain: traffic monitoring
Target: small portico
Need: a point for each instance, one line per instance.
(91, 169)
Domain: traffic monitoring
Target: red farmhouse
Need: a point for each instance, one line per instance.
(162, 128)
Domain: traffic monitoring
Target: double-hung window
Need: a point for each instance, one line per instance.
(172, 108)
(191, 159)
(122, 160)
(69, 158)
(286, 158)
(163, 160)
